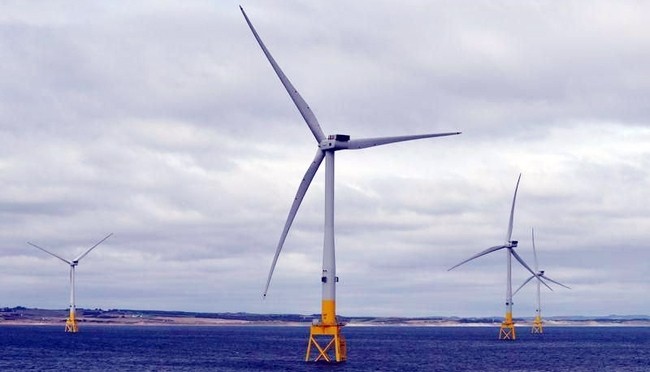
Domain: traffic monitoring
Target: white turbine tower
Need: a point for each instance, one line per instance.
(507, 329)
(328, 326)
(537, 323)
(71, 322)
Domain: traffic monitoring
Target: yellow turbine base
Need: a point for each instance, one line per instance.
(507, 329)
(71, 324)
(334, 349)
(328, 312)
(537, 325)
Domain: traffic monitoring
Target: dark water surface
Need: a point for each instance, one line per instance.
(130, 348)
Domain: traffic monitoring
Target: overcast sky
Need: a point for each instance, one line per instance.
(163, 123)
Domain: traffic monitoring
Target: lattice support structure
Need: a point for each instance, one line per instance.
(327, 342)
(71, 323)
(507, 329)
(537, 325)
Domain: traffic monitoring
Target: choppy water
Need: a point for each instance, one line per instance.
(126, 348)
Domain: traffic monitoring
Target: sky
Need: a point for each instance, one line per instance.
(163, 123)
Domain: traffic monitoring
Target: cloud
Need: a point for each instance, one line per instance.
(163, 123)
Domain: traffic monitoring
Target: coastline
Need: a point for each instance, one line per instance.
(198, 322)
(121, 317)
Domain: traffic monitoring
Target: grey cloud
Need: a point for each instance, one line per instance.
(163, 123)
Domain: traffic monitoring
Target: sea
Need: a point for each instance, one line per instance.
(278, 348)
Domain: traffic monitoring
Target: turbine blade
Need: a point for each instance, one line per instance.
(541, 279)
(93, 247)
(524, 264)
(556, 282)
(50, 253)
(534, 250)
(300, 103)
(362, 143)
(489, 250)
(512, 211)
(524, 284)
(300, 194)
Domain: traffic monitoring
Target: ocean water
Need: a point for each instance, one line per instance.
(252, 348)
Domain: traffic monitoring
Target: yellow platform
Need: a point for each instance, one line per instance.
(507, 329)
(537, 325)
(71, 324)
(328, 343)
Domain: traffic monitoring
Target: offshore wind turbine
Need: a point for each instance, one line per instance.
(71, 322)
(537, 323)
(328, 326)
(507, 329)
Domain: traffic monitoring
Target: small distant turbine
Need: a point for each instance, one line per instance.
(537, 323)
(507, 329)
(328, 326)
(71, 322)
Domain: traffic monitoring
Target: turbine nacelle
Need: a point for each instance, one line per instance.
(335, 142)
(512, 244)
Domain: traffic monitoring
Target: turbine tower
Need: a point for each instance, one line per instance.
(71, 322)
(537, 323)
(507, 329)
(328, 327)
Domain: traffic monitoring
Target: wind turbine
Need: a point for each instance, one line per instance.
(328, 326)
(537, 323)
(71, 322)
(507, 329)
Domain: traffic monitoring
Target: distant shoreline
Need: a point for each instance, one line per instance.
(120, 317)
(193, 322)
